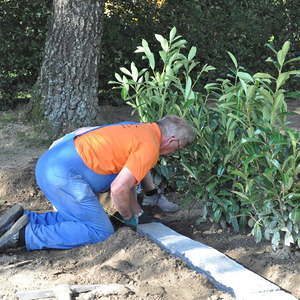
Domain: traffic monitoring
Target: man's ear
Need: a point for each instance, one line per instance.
(169, 140)
(172, 138)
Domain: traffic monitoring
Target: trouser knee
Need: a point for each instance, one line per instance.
(102, 234)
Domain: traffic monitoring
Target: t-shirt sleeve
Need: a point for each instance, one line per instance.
(142, 160)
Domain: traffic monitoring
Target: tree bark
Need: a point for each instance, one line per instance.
(67, 87)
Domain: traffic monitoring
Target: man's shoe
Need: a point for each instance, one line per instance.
(10, 217)
(11, 237)
(158, 199)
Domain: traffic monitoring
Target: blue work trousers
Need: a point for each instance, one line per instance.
(72, 188)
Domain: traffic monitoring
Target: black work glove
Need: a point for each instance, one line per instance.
(147, 218)
(118, 221)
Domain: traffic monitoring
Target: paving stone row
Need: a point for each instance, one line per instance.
(225, 273)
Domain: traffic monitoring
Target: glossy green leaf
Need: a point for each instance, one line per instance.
(172, 34)
(295, 215)
(293, 60)
(281, 54)
(283, 77)
(275, 239)
(118, 77)
(125, 71)
(263, 76)
(163, 42)
(134, 72)
(188, 86)
(192, 53)
(217, 215)
(148, 54)
(288, 239)
(233, 59)
(242, 195)
(163, 55)
(211, 186)
(139, 49)
(179, 44)
(245, 76)
(124, 92)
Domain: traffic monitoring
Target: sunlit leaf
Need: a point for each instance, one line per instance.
(125, 71)
(263, 76)
(283, 77)
(163, 55)
(242, 195)
(283, 52)
(188, 86)
(172, 34)
(148, 54)
(293, 60)
(118, 77)
(134, 72)
(245, 76)
(179, 44)
(233, 59)
(163, 42)
(139, 49)
(192, 53)
(288, 239)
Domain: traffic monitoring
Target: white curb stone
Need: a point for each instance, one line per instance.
(225, 273)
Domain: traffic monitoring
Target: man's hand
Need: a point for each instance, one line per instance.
(132, 222)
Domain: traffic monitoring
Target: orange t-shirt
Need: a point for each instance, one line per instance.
(108, 149)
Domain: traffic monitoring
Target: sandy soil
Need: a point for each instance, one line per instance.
(145, 271)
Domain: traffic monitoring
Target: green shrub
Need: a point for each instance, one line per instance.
(244, 166)
(22, 35)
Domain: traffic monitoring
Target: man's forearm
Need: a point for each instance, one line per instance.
(126, 203)
(123, 194)
(122, 204)
(135, 207)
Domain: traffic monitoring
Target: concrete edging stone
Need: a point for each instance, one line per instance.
(225, 273)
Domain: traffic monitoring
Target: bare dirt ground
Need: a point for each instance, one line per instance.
(126, 258)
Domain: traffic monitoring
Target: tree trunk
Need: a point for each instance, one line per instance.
(67, 86)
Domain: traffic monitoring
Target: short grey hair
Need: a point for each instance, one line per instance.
(172, 125)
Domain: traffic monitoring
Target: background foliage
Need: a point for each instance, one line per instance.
(22, 35)
(242, 27)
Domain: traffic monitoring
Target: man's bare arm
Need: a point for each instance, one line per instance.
(123, 194)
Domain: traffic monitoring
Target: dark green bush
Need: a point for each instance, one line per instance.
(22, 35)
(242, 27)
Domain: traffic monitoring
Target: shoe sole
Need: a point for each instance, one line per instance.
(10, 216)
(20, 223)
